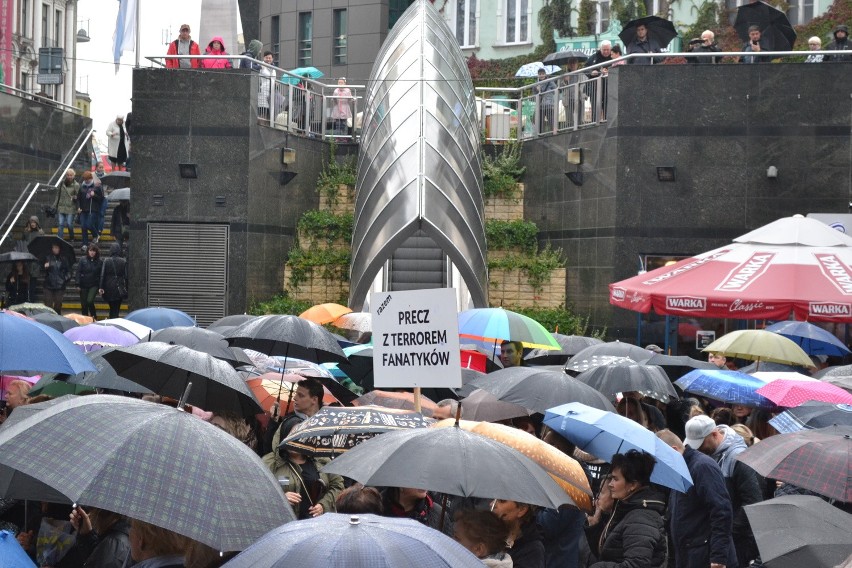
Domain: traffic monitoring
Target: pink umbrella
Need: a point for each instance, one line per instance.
(6, 379)
(794, 393)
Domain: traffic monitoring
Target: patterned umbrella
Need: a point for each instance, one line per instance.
(334, 430)
(398, 400)
(531, 69)
(495, 324)
(538, 390)
(94, 337)
(356, 321)
(577, 365)
(812, 415)
(612, 349)
(650, 380)
(819, 460)
(150, 462)
(565, 470)
(363, 541)
(793, 393)
(732, 387)
(324, 313)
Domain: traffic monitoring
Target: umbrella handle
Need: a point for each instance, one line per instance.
(184, 396)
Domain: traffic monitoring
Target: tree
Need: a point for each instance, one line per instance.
(586, 18)
(626, 10)
(555, 15)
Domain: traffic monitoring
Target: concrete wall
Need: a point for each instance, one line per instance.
(34, 137)
(721, 127)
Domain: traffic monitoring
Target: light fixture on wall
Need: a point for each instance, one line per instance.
(575, 157)
(771, 172)
(288, 156)
(666, 173)
(188, 171)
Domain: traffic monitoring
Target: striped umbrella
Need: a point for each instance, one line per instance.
(495, 324)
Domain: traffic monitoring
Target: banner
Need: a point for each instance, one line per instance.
(125, 30)
(7, 22)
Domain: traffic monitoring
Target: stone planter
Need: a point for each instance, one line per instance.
(512, 288)
(308, 242)
(506, 208)
(316, 287)
(340, 202)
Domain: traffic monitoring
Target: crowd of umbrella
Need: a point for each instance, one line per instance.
(163, 466)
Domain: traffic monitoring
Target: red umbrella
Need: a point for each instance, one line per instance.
(794, 393)
(793, 264)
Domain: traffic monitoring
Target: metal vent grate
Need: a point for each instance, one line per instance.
(188, 269)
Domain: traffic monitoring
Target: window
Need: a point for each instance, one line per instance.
(395, 10)
(57, 28)
(800, 12)
(466, 22)
(339, 24)
(275, 40)
(603, 17)
(305, 43)
(45, 22)
(517, 21)
(24, 24)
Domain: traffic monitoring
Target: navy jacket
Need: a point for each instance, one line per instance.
(701, 519)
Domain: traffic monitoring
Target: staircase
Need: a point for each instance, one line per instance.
(418, 264)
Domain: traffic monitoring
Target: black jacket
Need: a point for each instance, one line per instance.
(528, 550)
(635, 536)
(650, 45)
(594, 59)
(57, 275)
(113, 274)
(90, 204)
(89, 272)
(700, 520)
(93, 551)
(835, 45)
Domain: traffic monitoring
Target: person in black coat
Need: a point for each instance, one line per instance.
(57, 273)
(113, 280)
(120, 220)
(526, 544)
(602, 55)
(19, 285)
(700, 520)
(102, 540)
(840, 43)
(88, 279)
(635, 535)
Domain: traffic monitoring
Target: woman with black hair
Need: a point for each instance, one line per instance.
(526, 544)
(634, 536)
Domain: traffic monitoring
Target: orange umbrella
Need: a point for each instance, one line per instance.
(324, 313)
(80, 318)
(403, 400)
(266, 389)
(565, 470)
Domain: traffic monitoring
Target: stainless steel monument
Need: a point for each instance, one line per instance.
(419, 168)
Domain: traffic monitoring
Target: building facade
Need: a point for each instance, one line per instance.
(493, 29)
(37, 24)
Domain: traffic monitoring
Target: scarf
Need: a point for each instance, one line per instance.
(732, 446)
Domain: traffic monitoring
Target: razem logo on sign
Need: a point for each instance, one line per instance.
(686, 304)
(829, 309)
(416, 339)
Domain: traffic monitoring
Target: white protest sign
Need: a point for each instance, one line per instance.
(416, 339)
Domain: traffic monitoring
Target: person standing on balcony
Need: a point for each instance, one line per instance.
(216, 47)
(118, 144)
(264, 87)
(643, 43)
(341, 112)
(546, 91)
(183, 45)
(755, 44)
(840, 43)
(602, 55)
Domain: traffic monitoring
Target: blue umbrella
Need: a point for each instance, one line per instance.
(732, 387)
(310, 72)
(12, 553)
(363, 541)
(604, 434)
(161, 318)
(812, 339)
(27, 345)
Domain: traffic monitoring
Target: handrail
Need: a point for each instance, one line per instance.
(38, 98)
(82, 139)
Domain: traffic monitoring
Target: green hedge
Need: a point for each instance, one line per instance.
(511, 234)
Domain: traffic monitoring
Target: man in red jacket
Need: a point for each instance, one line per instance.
(183, 45)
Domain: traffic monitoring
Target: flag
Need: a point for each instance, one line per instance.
(125, 30)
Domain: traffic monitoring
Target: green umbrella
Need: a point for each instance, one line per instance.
(50, 385)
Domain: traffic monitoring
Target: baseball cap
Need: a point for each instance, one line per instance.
(654, 347)
(697, 429)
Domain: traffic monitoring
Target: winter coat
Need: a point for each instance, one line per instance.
(65, 198)
(89, 272)
(253, 51)
(650, 45)
(700, 520)
(562, 530)
(30, 233)
(57, 274)
(93, 551)
(216, 63)
(283, 467)
(120, 219)
(835, 45)
(173, 50)
(113, 133)
(90, 203)
(594, 59)
(635, 536)
(528, 550)
(426, 511)
(19, 291)
(113, 272)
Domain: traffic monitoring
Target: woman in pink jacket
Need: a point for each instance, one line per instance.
(216, 47)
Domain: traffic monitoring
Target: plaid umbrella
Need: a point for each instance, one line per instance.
(793, 393)
(538, 390)
(451, 461)
(289, 336)
(334, 430)
(363, 541)
(167, 369)
(650, 380)
(150, 462)
(800, 530)
(812, 415)
(819, 460)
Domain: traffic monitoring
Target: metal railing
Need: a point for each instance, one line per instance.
(38, 98)
(298, 104)
(20, 205)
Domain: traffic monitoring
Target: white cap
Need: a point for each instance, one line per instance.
(697, 429)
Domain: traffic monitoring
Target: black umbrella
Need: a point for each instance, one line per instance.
(15, 256)
(570, 344)
(468, 375)
(166, 370)
(538, 390)
(482, 406)
(116, 179)
(659, 29)
(812, 415)
(565, 56)
(202, 340)
(650, 380)
(231, 321)
(289, 336)
(104, 378)
(775, 28)
(57, 322)
(41, 248)
(794, 531)
(677, 366)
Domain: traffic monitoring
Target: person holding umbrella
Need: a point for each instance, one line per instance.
(642, 43)
(635, 533)
(57, 273)
(102, 539)
(755, 44)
